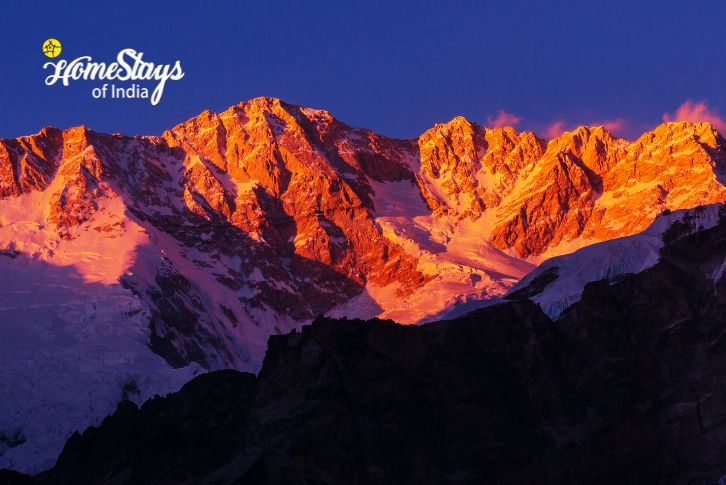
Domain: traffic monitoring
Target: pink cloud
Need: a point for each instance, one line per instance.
(503, 119)
(697, 112)
(613, 126)
(555, 129)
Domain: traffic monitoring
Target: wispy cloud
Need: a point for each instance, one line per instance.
(503, 119)
(555, 129)
(613, 126)
(697, 112)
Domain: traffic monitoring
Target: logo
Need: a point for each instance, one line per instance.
(129, 65)
(52, 48)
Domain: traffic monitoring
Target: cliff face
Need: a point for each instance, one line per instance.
(259, 217)
(624, 387)
(584, 186)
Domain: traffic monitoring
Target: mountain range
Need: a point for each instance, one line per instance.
(132, 264)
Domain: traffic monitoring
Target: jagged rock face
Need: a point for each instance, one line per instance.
(299, 178)
(27, 163)
(582, 187)
(676, 166)
(241, 224)
(625, 387)
(466, 168)
(273, 200)
(554, 201)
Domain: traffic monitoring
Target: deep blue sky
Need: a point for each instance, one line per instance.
(395, 67)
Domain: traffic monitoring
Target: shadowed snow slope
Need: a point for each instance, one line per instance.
(69, 351)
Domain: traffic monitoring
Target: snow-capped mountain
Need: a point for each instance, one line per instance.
(141, 260)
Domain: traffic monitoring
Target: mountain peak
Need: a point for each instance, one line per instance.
(509, 131)
(77, 131)
(49, 131)
(680, 126)
(582, 134)
(674, 133)
(457, 122)
(705, 131)
(263, 104)
(266, 104)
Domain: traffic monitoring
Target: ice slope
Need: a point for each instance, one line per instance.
(73, 341)
(463, 269)
(608, 259)
(69, 352)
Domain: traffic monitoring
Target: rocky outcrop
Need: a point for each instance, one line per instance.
(581, 187)
(29, 162)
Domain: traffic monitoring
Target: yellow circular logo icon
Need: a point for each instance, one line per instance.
(52, 48)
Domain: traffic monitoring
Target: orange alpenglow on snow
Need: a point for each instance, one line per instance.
(270, 213)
